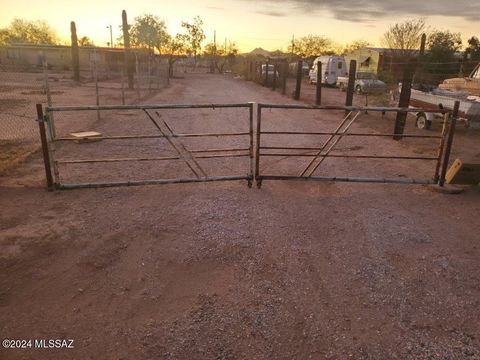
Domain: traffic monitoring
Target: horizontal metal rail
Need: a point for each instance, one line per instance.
(348, 134)
(352, 156)
(352, 108)
(149, 182)
(126, 137)
(87, 161)
(348, 179)
(146, 107)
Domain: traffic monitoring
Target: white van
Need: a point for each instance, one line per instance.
(332, 68)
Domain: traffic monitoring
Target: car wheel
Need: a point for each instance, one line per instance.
(422, 122)
(342, 87)
(358, 89)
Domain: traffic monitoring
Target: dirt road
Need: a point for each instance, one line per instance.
(221, 271)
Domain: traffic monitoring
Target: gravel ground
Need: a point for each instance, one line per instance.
(221, 271)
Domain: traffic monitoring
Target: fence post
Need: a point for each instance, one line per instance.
(352, 74)
(404, 100)
(284, 78)
(266, 74)
(43, 139)
(448, 146)
(318, 95)
(299, 80)
(126, 44)
(123, 85)
(97, 95)
(274, 80)
(75, 56)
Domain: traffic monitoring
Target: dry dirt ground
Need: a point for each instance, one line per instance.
(221, 271)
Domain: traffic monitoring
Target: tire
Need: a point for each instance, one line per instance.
(358, 90)
(422, 122)
(342, 86)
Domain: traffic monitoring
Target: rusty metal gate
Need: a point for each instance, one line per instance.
(317, 154)
(163, 130)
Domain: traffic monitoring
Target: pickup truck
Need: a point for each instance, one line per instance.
(365, 83)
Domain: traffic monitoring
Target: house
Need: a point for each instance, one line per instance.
(28, 57)
(381, 60)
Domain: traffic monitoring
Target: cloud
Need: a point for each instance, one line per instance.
(271, 13)
(368, 10)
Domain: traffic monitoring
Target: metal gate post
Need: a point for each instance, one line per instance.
(43, 139)
(257, 154)
(448, 147)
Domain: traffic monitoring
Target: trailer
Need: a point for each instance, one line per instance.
(469, 112)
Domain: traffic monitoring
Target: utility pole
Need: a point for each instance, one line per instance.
(126, 44)
(293, 44)
(111, 35)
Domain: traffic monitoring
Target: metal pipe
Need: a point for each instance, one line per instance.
(351, 108)
(349, 134)
(171, 142)
(87, 161)
(218, 150)
(250, 131)
(353, 156)
(350, 179)
(335, 142)
(259, 131)
(147, 182)
(146, 107)
(327, 142)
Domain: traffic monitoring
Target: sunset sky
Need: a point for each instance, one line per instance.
(253, 23)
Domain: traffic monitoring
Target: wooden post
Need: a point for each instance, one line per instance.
(299, 80)
(43, 139)
(126, 45)
(75, 56)
(404, 101)
(123, 85)
(266, 74)
(422, 44)
(318, 95)
(352, 75)
(284, 77)
(448, 146)
(274, 80)
(252, 73)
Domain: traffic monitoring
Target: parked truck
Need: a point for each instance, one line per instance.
(365, 83)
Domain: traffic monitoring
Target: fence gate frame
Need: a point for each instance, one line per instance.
(49, 139)
(319, 154)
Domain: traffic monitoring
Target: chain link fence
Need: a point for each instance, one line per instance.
(101, 83)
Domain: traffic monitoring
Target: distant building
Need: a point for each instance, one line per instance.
(28, 57)
(380, 60)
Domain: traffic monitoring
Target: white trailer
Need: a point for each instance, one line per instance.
(332, 68)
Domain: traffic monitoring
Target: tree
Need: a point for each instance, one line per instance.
(149, 32)
(85, 41)
(174, 47)
(194, 36)
(311, 46)
(473, 49)
(220, 56)
(440, 58)
(29, 32)
(404, 38)
(355, 45)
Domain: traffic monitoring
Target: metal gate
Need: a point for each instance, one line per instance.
(317, 154)
(190, 157)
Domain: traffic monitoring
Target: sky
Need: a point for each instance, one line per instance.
(269, 24)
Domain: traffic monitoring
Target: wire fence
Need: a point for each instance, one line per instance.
(101, 83)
